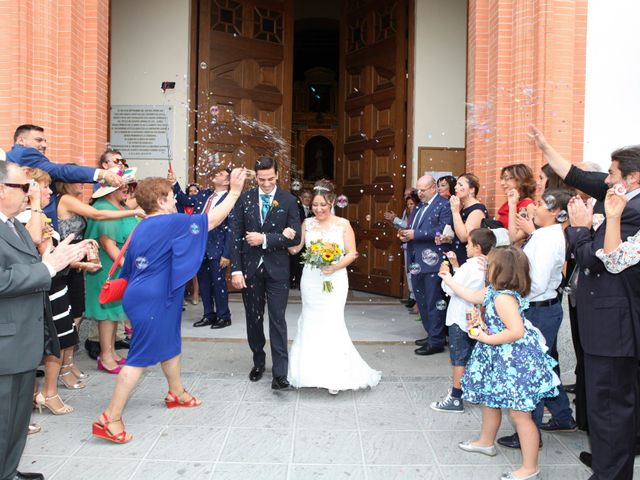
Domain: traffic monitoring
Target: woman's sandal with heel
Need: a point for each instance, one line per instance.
(173, 401)
(77, 385)
(100, 429)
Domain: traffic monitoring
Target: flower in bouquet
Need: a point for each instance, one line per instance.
(322, 254)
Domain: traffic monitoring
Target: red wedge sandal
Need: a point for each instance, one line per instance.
(173, 401)
(101, 430)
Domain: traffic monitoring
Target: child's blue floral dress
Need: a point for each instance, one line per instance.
(512, 375)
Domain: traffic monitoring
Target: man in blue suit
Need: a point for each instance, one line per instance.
(28, 150)
(212, 276)
(260, 266)
(425, 257)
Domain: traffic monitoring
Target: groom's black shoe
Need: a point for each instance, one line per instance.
(256, 373)
(280, 383)
(220, 323)
(203, 322)
(421, 342)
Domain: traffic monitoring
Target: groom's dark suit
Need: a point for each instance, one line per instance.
(266, 270)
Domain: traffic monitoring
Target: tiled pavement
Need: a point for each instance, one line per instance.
(244, 430)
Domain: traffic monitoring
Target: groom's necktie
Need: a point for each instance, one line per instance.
(266, 204)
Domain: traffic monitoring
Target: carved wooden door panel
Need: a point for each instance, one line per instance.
(245, 64)
(371, 138)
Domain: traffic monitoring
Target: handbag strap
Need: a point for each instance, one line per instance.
(116, 263)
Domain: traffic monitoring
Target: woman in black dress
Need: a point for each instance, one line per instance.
(467, 212)
(45, 239)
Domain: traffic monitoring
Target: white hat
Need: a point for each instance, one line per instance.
(128, 176)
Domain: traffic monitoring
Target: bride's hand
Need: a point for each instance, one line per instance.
(328, 270)
(289, 232)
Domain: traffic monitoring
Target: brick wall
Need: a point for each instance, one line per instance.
(54, 72)
(526, 64)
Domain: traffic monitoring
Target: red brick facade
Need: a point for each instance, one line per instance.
(54, 72)
(526, 64)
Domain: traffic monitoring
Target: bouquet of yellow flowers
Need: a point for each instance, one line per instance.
(322, 254)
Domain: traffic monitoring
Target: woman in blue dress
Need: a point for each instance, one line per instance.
(509, 367)
(165, 252)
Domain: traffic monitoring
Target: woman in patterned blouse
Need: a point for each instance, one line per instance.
(616, 254)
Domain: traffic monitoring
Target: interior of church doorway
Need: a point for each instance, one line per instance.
(331, 78)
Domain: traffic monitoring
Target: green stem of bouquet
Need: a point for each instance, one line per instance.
(327, 286)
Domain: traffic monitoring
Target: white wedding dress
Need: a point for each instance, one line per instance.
(322, 354)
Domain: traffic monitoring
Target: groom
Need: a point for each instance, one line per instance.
(260, 266)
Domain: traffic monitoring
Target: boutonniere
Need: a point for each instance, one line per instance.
(275, 204)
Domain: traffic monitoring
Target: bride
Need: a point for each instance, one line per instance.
(322, 354)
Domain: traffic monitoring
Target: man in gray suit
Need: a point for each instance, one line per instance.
(25, 279)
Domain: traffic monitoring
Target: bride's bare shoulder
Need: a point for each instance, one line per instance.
(342, 222)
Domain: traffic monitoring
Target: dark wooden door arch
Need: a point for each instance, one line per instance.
(243, 60)
(371, 160)
(243, 65)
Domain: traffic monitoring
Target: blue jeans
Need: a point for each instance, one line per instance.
(548, 320)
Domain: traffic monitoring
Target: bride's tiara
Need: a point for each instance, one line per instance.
(322, 189)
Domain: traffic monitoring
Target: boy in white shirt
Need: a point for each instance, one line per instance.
(472, 275)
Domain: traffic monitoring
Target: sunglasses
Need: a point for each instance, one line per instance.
(23, 186)
(119, 161)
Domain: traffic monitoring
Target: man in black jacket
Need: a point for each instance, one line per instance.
(609, 316)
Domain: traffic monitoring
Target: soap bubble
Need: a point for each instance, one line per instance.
(203, 65)
(142, 263)
(296, 185)
(342, 201)
(441, 305)
(430, 257)
(414, 268)
(368, 218)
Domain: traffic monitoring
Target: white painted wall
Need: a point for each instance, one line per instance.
(440, 74)
(149, 45)
(612, 98)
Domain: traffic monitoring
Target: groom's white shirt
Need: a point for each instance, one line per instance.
(260, 202)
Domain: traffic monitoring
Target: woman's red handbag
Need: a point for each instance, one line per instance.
(113, 289)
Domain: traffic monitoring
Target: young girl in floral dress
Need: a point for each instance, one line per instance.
(508, 367)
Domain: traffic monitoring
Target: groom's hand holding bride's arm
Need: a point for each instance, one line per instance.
(280, 241)
(290, 233)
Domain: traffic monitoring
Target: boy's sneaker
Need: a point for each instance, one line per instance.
(448, 404)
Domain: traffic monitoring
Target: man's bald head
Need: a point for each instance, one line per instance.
(426, 187)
